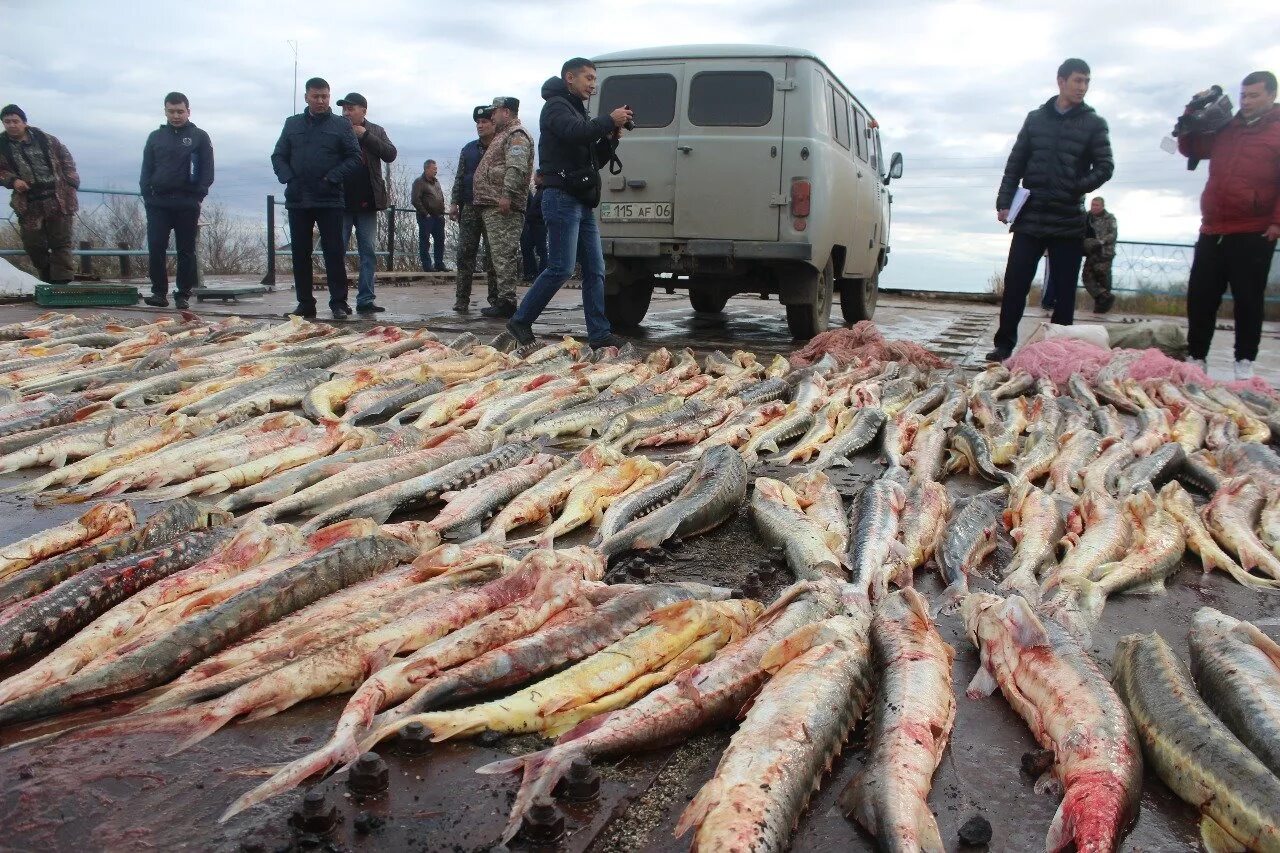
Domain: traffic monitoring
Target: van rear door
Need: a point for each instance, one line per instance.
(729, 153)
(638, 202)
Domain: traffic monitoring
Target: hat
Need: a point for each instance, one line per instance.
(510, 103)
(14, 110)
(355, 99)
(484, 111)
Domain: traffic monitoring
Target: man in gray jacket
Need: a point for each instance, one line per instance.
(365, 193)
(316, 152)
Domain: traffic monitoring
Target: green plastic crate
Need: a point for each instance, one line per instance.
(72, 295)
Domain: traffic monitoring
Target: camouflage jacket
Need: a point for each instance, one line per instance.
(66, 180)
(505, 169)
(1102, 245)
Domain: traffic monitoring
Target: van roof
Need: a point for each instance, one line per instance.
(723, 51)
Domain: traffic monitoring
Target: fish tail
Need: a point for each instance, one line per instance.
(1022, 581)
(707, 798)
(1090, 596)
(542, 770)
(203, 723)
(953, 595)
(334, 753)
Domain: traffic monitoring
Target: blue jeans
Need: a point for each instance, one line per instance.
(431, 228)
(572, 235)
(365, 224)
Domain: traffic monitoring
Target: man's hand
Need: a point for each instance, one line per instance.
(20, 186)
(504, 205)
(359, 129)
(1003, 215)
(620, 116)
(454, 213)
(1272, 233)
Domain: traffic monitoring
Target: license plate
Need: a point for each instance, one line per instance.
(641, 211)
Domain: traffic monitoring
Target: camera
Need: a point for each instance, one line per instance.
(630, 125)
(1207, 112)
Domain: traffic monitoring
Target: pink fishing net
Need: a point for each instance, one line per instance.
(1058, 359)
(864, 341)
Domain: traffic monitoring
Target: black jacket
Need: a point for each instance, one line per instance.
(1058, 158)
(177, 167)
(567, 135)
(313, 157)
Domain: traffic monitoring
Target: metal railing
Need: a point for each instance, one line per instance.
(386, 239)
(1164, 268)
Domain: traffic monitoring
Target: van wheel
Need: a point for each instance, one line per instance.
(627, 307)
(805, 321)
(708, 300)
(858, 297)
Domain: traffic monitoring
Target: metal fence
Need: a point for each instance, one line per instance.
(1164, 268)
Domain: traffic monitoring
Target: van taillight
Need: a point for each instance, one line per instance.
(800, 191)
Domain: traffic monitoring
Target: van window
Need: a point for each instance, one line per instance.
(840, 128)
(876, 153)
(731, 99)
(652, 97)
(860, 132)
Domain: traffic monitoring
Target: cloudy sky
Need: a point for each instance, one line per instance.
(949, 82)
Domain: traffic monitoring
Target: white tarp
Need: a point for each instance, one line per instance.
(15, 282)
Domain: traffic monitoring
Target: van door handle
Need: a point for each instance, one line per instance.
(685, 148)
(859, 174)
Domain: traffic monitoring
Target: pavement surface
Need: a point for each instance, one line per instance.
(123, 793)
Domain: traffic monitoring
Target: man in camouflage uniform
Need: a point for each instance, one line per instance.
(501, 189)
(463, 211)
(39, 170)
(1099, 251)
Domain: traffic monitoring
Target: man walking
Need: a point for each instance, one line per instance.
(462, 210)
(1099, 252)
(40, 171)
(1063, 151)
(365, 194)
(428, 202)
(177, 171)
(571, 148)
(1240, 222)
(500, 190)
(316, 152)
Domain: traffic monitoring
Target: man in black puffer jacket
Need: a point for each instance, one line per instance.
(1063, 152)
(177, 171)
(316, 152)
(572, 147)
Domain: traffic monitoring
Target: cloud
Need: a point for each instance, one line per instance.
(950, 83)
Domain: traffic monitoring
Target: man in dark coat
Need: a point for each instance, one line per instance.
(177, 171)
(1240, 224)
(316, 153)
(572, 147)
(1062, 153)
(40, 171)
(365, 194)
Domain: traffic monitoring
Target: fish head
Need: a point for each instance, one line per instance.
(417, 534)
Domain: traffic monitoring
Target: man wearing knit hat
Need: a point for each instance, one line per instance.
(501, 191)
(40, 171)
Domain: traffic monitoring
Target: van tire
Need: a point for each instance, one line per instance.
(626, 308)
(858, 298)
(807, 320)
(708, 300)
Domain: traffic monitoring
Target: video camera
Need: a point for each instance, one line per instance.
(1207, 112)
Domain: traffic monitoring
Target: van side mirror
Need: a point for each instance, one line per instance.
(895, 168)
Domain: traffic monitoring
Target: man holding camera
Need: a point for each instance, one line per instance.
(1062, 152)
(500, 189)
(571, 148)
(1240, 210)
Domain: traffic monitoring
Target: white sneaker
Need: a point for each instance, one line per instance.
(1199, 362)
(1244, 370)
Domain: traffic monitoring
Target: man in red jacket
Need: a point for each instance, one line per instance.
(1241, 221)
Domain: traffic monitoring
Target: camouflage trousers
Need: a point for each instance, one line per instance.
(1096, 275)
(470, 234)
(502, 231)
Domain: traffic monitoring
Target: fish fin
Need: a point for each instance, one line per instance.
(463, 533)
(1216, 839)
(711, 795)
(671, 616)
(793, 645)
(1028, 630)
(982, 684)
(1089, 596)
(953, 595)
(1251, 634)
(292, 775)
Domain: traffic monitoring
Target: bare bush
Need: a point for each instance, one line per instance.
(230, 245)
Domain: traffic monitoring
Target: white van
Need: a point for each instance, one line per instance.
(751, 169)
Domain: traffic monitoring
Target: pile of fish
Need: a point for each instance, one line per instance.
(387, 517)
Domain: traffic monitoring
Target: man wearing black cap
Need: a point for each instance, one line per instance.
(43, 177)
(501, 191)
(365, 193)
(316, 152)
(463, 211)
